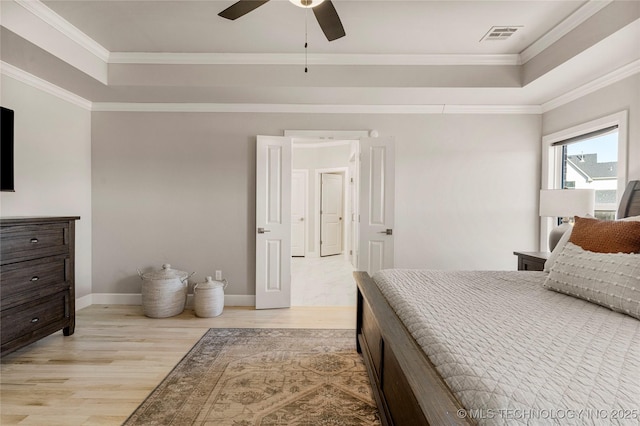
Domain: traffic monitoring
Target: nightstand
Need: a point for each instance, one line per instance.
(531, 260)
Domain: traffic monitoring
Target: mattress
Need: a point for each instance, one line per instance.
(513, 352)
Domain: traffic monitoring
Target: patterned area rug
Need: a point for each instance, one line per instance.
(242, 377)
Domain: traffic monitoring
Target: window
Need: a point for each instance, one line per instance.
(589, 155)
(590, 161)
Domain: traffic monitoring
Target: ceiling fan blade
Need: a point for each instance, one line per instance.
(329, 20)
(241, 8)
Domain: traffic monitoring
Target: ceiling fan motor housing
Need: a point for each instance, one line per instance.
(306, 3)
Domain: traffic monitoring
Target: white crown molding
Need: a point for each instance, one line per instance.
(265, 108)
(313, 59)
(597, 84)
(33, 81)
(40, 10)
(47, 15)
(315, 109)
(611, 78)
(492, 109)
(563, 28)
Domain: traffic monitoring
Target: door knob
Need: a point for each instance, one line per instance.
(387, 232)
(301, 219)
(262, 230)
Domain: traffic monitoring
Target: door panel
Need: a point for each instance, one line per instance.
(274, 260)
(377, 161)
(354, 163)
(376, 254)
(273, 222)
(331, 214)
(299, 184)
(377, 193)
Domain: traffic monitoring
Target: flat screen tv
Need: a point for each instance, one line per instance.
(6, 150)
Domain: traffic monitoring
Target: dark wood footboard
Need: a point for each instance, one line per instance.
(406, 385)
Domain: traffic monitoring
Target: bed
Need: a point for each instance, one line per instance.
(511, 347)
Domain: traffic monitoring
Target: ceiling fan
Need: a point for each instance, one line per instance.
(324, 11)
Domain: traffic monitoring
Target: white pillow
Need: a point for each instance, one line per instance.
(565, 238)
(607, 279)
(548, 264)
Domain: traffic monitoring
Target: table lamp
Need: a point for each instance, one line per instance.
(565, 203)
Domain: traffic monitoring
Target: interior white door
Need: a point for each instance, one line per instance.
(354, 164)
(299, 180)
(331, 214)
(377, 193)
(273, 222)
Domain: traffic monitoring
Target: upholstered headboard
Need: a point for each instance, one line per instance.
(630, 203)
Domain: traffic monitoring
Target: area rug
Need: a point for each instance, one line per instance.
(242, 377)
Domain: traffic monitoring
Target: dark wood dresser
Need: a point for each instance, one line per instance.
(37, 288)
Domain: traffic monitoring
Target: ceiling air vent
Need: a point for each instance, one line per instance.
(500, 33)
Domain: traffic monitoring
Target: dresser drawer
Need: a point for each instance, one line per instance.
(33, 278)
(31, 242)
(530, 265)
(34, 318)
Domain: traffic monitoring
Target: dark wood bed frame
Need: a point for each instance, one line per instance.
(407, 387)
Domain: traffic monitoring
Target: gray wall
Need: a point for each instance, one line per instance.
(624, 95)
(52, 145)
(180, 188)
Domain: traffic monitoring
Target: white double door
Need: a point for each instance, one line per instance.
(273, 214)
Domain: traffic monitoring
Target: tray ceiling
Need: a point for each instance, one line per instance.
(416, 54)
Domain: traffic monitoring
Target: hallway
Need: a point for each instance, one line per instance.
(323, 281)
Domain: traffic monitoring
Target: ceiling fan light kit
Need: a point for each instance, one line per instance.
(306, 3)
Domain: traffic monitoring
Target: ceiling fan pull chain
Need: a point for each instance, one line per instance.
(306, 14)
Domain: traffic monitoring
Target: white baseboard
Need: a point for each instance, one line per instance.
(231, 300)
(239, 300)
(116, 299)
(136, 299)
(84, 301)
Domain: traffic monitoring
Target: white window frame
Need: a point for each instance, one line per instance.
(551, 159)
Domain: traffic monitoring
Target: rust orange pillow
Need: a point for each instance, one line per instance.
(606, 236)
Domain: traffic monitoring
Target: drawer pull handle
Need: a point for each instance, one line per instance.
(35, 320)
(36, 278)
(34, 240)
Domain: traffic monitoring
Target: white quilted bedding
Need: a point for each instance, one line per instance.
(517, 352)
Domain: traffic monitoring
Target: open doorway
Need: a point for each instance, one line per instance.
(372, 225)
(322, 275)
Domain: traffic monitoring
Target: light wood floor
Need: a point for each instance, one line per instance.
(117, 356)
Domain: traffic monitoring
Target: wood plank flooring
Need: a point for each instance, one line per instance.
(117, 356)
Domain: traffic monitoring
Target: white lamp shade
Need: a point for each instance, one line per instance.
(567, 202)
